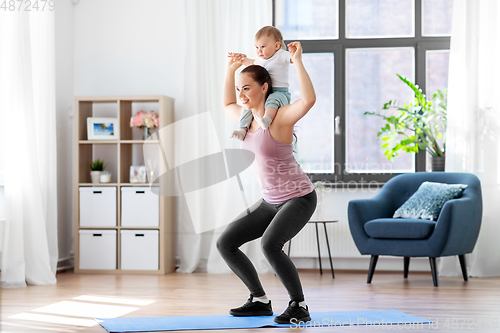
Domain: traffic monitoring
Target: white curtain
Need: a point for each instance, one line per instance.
(27, 94)
(473, 135)
(214, 28)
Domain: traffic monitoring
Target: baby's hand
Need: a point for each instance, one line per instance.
(237, 55)
(235, 59)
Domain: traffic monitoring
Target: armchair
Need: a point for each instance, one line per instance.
(454, 233)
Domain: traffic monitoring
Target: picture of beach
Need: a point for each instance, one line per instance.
(104, 129)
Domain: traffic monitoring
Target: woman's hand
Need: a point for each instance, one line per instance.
(295, 50)
(235, 60)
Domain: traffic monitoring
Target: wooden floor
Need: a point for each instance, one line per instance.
(455, 306)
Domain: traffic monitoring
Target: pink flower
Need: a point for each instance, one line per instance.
(142, 118)
(137, 121)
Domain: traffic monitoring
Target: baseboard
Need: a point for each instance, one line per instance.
(384, 263)
(351, 264)
(65, 264)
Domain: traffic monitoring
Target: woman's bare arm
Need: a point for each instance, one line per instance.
(229, 104)
(292, 113)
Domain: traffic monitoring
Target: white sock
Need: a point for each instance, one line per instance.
(303, 304)
(264, 300)
(239, 134)
(264, 122)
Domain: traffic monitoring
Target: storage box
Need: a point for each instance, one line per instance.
(97, 249)
(140, 207)
(139, 249)
(98, 206)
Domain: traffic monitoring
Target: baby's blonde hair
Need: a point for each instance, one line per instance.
(270, 31)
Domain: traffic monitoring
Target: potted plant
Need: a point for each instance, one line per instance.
(96, 168)
(417, 125)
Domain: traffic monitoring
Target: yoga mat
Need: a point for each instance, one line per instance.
(318, 319)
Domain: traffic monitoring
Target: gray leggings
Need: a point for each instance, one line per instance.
(276, 224)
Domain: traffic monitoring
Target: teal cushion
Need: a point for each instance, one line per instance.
(427, 202)
(399, 228)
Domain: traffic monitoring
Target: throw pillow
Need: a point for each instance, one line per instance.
(427, 202)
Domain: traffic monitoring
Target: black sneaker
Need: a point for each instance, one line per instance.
(251, 308)
(293, 314)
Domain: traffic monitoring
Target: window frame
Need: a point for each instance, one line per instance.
(420, 43)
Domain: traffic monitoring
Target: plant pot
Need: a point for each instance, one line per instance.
(438, 163)
(95, 175)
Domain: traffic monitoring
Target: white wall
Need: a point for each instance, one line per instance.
(2, 205)
(64, 110)
(128, 47)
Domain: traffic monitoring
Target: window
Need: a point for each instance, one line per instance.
(321, 158)
(353, 50)
(370, 81)
(379, 19)
(312, 19)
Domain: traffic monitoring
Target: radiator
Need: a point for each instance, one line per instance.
(304, 245)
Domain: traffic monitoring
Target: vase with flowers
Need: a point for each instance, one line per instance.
(145, 121)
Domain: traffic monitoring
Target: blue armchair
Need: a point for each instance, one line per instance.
(454, 233)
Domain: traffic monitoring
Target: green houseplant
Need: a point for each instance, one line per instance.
(96, 167)
(417, 125)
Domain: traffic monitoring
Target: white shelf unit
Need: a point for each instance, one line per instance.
(119, 155)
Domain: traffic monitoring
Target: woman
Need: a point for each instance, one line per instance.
(289, 198)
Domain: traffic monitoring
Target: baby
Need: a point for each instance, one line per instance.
(272, 55)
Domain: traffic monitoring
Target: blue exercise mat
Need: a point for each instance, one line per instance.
(318, 319)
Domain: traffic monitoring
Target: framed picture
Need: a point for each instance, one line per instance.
(138, 174)
(102, 129)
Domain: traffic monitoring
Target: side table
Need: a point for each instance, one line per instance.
(324, 222)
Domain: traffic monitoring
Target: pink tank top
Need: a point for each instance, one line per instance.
(281, 177)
